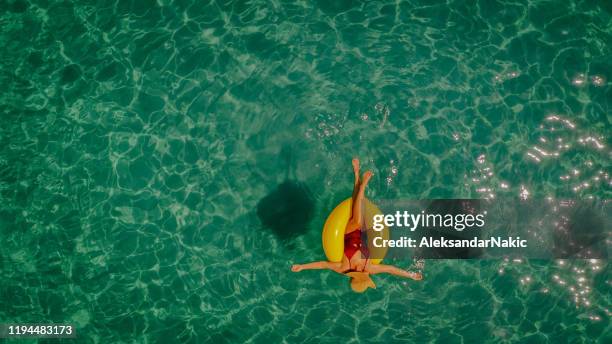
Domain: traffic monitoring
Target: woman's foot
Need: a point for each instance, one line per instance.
(366, 177)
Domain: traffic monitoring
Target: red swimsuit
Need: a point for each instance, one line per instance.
(353, 243)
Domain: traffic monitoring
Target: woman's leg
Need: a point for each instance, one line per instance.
(356, 220)
(356, 172)
(351, 226)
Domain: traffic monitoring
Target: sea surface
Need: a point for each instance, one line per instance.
(163, 163)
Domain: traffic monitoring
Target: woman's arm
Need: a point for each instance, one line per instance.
(390, 269)
(316, 266)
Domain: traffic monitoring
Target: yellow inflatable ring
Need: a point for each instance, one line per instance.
(335, 225)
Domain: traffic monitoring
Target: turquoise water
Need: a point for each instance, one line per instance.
(162, 164)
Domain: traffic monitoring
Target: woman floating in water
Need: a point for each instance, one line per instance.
(355, 261)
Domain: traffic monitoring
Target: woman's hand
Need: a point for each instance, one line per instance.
(417, 276)
(296, 268)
